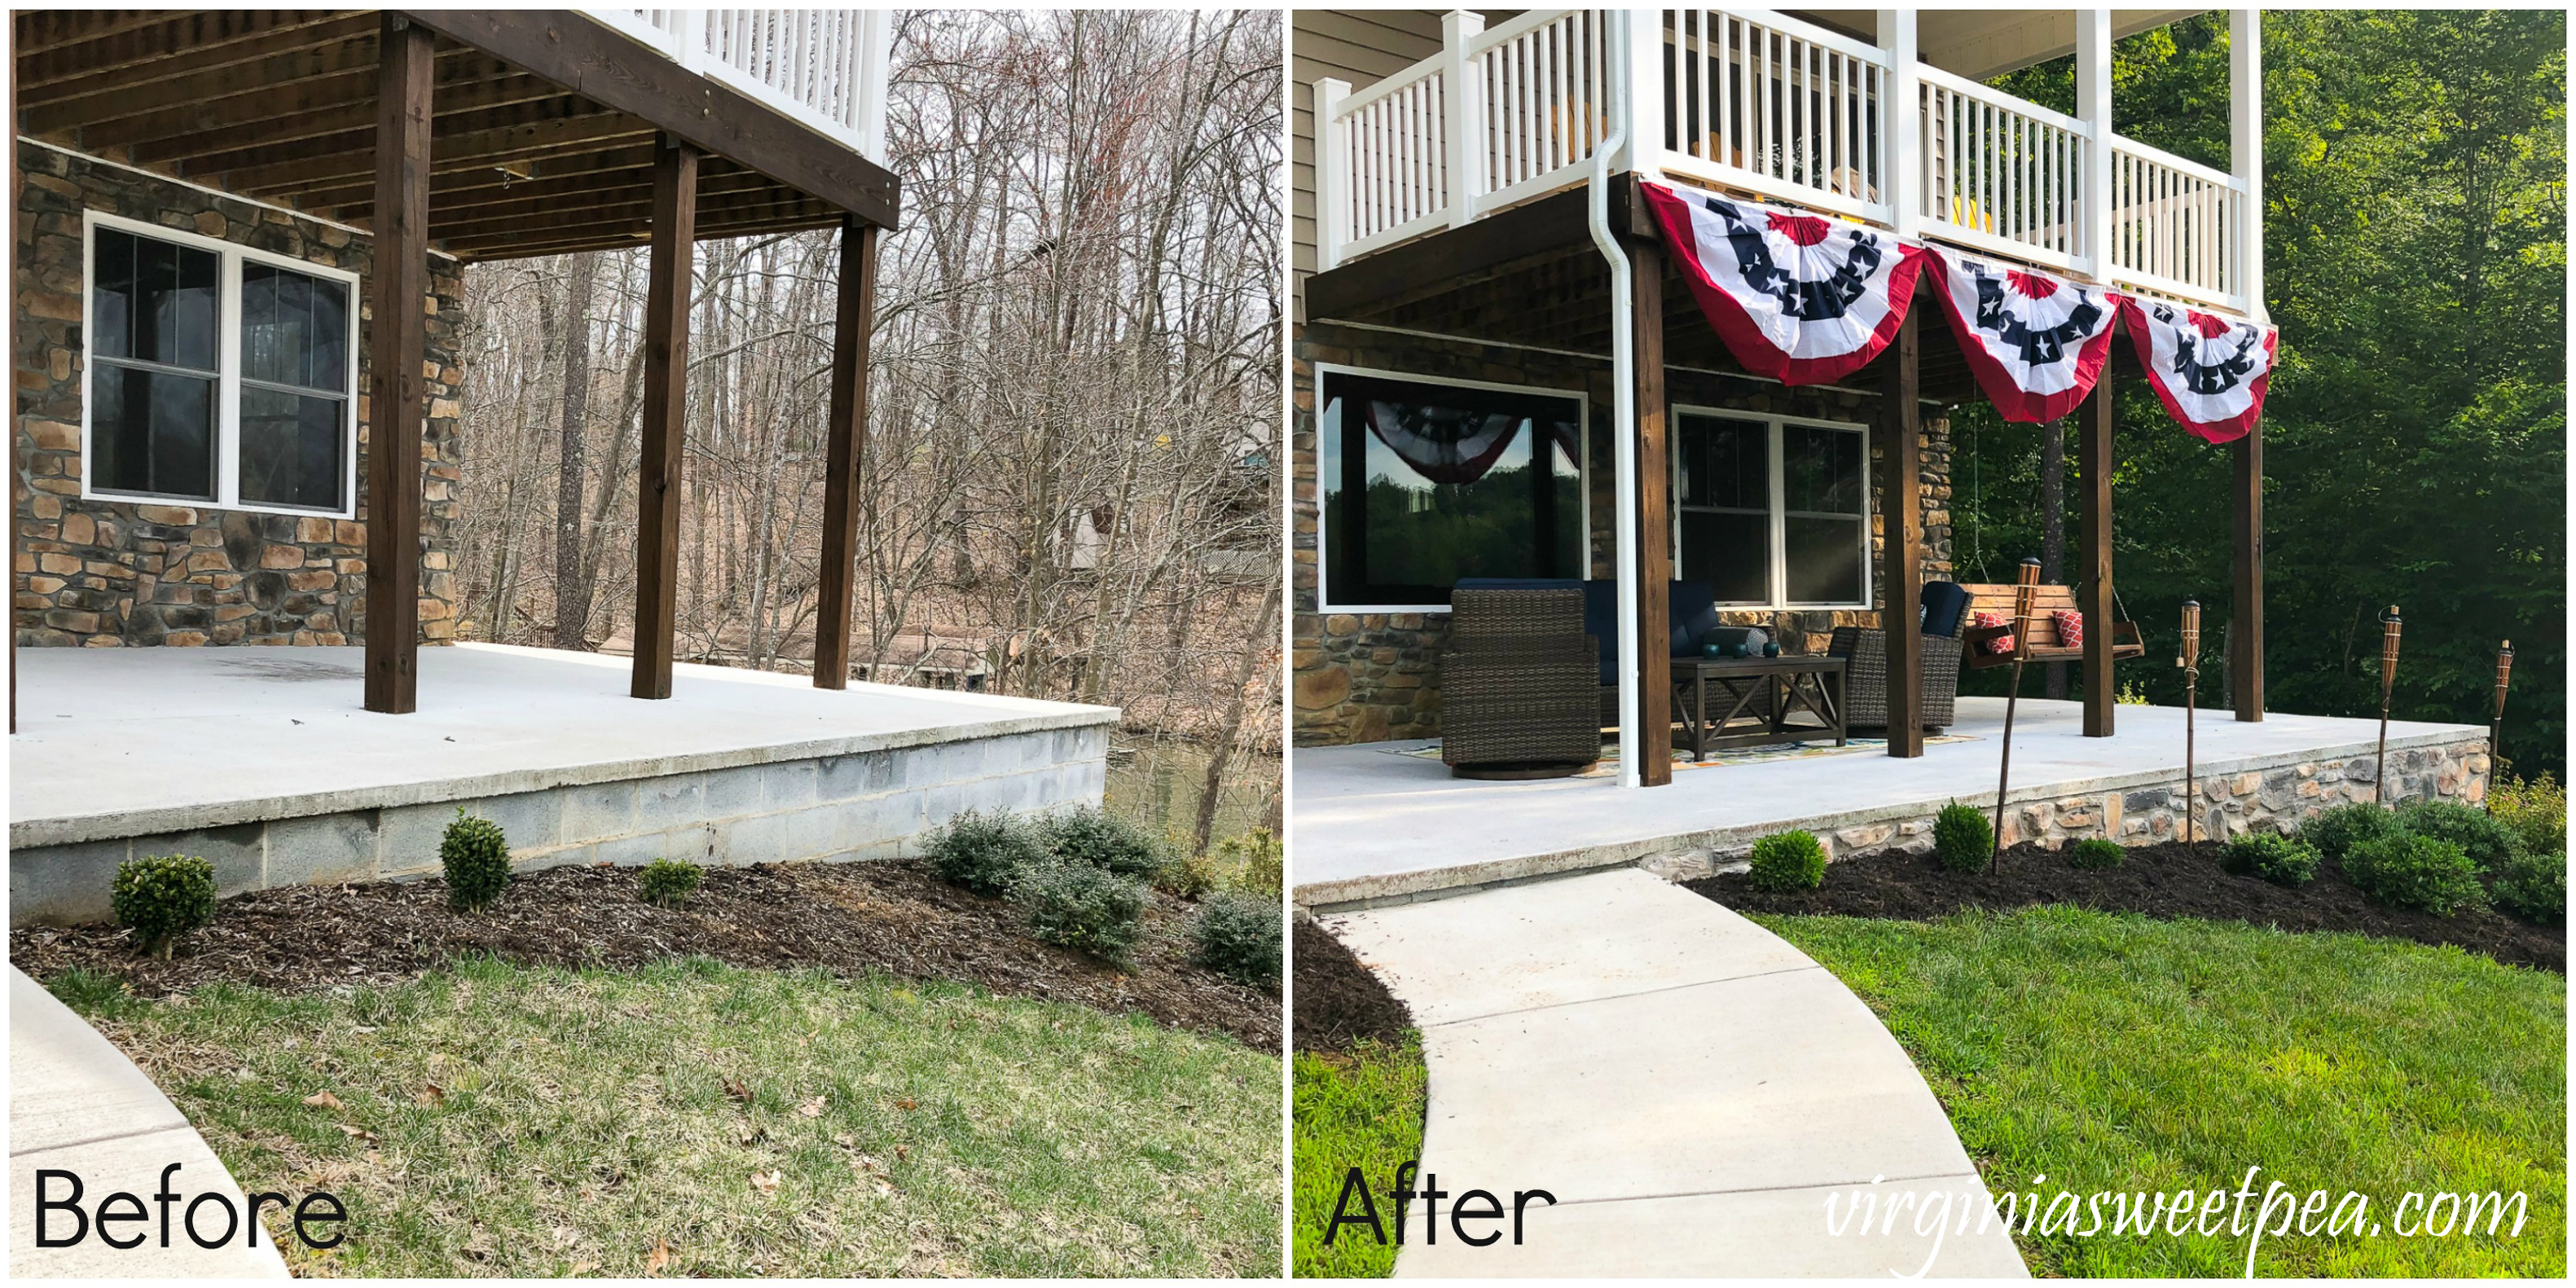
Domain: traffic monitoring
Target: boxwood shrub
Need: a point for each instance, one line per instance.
(984, 852)
(2534, 886)
(670, 882)
(2487, 842)
(476, 857)
(162, 897)
(1962, 839)
(1078, 906)
(1790, 860)
(2410, 871)
(1237, 936)
(2095, 852)
(1097, 838)
(2336, 831)
(2281, 860)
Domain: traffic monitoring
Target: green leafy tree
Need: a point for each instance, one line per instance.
(2415, 428)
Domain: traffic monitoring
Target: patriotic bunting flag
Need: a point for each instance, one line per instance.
(2209, 372)
(1797, 297)
(2035, 343)
(1805, 299)
(1442, 444)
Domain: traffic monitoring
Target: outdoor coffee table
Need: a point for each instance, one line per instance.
(1812, 684)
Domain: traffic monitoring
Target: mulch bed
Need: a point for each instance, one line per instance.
(892, 916)
(2165, 880)
(1339, 1002)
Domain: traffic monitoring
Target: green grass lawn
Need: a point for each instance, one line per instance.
(1359, 1110)
(2118, 1053)
(693, 1118)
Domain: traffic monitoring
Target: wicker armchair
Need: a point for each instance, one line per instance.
(1864, 655)
(1518, 685)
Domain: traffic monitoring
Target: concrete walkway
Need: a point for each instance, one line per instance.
(1690, 1088)
(76, 1104)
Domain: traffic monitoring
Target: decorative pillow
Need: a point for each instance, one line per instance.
(2070, 627)
(2000, 644)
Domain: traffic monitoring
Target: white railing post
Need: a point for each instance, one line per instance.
(2245, 153)
(1643, 91)
(2093, 104)
(875, 66)
(689, 29)
(1463, 114)
(1332, 174)
(1900, 121)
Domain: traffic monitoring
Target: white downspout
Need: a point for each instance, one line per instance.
(1623, 379)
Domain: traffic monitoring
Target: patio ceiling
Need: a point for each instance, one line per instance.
(281, 106)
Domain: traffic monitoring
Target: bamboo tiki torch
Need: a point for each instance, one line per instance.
(2389, 625)
(2495, 730)
(2022, 592)
(2189, 661)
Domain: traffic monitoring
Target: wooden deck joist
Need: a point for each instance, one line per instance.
(543, 123)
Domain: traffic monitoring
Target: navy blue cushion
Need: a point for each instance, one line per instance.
(1694, 615)
(1944, 604)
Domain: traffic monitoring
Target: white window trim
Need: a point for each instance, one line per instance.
(1323, 555)
(228, 377)
(1779, 513)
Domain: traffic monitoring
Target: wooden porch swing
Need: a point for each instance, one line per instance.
(2044, 644)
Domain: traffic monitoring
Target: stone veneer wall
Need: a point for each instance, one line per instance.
(1367, 677)
(2274, 798)
(114, 573)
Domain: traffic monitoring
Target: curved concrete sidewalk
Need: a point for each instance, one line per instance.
(1689, 1087)
(77, 1104)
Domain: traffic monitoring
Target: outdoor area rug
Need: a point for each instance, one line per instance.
(1608, 765)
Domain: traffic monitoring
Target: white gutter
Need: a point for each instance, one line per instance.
(1623, 377)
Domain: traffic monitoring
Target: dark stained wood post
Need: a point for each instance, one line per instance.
(1900, 430)
(396, 341)
(2093, 455)
(843, 450)
(666, 406)
(1654, 713)
(2245, 665)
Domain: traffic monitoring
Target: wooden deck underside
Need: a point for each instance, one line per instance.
(281, 107)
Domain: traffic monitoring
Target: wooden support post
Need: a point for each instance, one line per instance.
(843, 450)
(666, 407)
(396, 340)
(1900, 421)
(2245, 639)
(2093, 456)
(1654, 713)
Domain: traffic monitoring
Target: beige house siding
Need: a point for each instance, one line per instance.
(1363, 47)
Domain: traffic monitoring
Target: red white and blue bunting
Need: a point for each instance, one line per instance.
(1799, 298)
(2036, 343)
(1805, 299)
(2208, 371)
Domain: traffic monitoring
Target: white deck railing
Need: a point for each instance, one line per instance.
(1757, 102)
(1754, 100)
(826, 68)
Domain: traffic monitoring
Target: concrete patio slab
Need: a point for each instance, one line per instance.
(1373, 824)
(100, 729)
(263, 761)
(77, 1104)
(1577, 1042)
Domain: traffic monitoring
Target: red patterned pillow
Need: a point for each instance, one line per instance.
(2070, 627)
(2000, 644)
